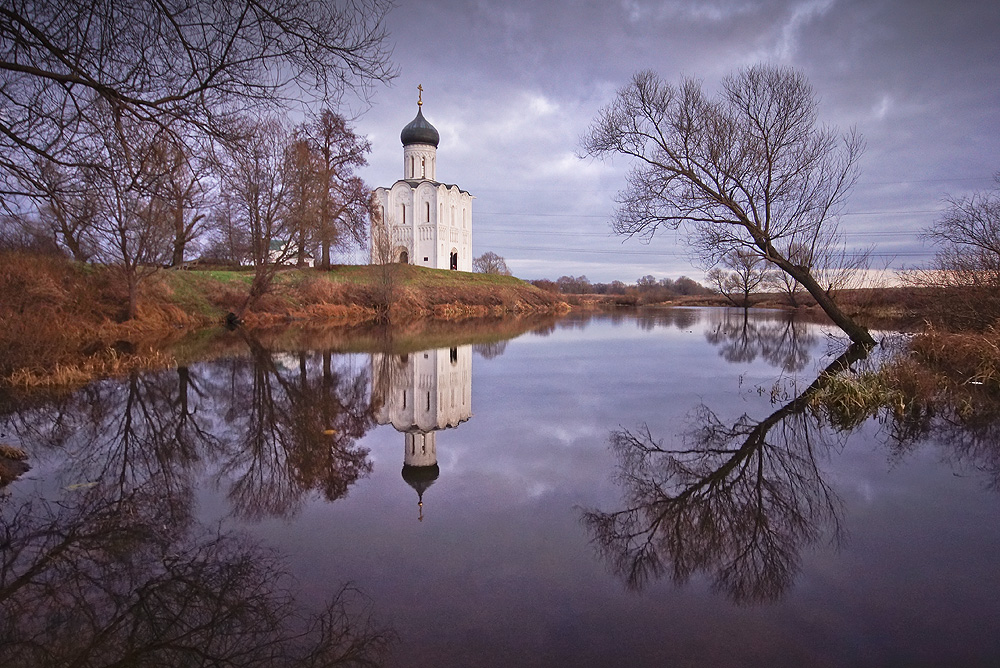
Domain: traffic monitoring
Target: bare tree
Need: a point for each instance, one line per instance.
(183, 192)
(182, 65)
(748, 171)
(748, 272)
(343, 198)
(967, 263)
(490, 263)
(131, 227)
(383, 256)
(254, 197)
(69, 212)
(229, 241)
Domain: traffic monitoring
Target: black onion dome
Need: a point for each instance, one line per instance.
(419, 131)
(420, 477)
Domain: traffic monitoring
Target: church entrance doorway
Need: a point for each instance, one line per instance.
(404, 258)
(454, 260)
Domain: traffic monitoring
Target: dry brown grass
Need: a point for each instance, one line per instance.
(61, 322)
(938, 373)
(10, 452)
(105, 364)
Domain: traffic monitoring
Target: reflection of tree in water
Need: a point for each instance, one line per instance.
(783, 343)
(294, 430)
(738, 502)
(118, 572)
(278, 432)
(490, 350)
(98, 579)
(129, 434)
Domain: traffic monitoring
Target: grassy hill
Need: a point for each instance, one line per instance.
(59, 318)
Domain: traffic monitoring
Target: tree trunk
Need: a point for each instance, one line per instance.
(177, 259)
(133, 294)
(854, 331)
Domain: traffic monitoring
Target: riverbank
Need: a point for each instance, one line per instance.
(62, 322)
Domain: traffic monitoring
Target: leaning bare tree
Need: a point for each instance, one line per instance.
(750, 170)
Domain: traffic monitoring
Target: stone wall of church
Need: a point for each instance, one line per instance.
(419, 161)
(430, 222)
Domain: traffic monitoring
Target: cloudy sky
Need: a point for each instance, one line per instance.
(512, 84)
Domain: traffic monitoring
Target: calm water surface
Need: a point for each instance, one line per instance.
(639, 491)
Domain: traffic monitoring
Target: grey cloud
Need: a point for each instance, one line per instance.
(918, 79)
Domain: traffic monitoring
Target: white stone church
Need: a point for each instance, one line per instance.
(424, 222)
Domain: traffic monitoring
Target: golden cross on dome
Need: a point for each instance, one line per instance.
(420, 95)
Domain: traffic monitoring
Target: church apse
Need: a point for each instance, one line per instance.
(420, 394)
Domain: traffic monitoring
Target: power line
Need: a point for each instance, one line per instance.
(861, 183)
(611, 235)
(600, 251)
(605, 216)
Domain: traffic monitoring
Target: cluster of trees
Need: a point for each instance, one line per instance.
(648, 286)
(131, 131)
(490, 263)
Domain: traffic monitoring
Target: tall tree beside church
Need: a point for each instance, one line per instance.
(183, 194)
(343, 198)
(254, 196)
(302, 176)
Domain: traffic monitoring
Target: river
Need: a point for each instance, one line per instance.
(632, 490)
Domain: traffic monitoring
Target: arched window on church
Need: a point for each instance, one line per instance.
(402, 214)
(428, 211)
(412, 168)
(423, 168)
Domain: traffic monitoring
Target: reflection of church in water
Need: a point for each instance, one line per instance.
(420, 394)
